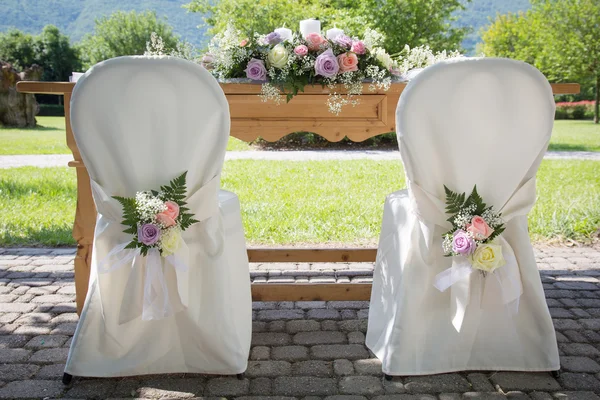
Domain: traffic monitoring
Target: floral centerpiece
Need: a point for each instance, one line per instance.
(474, 228)
(285, 64)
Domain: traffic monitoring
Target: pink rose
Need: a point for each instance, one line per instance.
(358, 47)
(164, 219)
(348, 62)
(172, 210)
(243, 43)
(479, 228)
(314, 41)
(301, 50)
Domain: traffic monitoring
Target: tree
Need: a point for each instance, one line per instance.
(122, 34)
(559, 37)
(412, 22)
(51, 50)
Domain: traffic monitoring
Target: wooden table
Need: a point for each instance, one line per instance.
(251, 118)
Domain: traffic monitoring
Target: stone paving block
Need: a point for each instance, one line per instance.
(328, 325)
(13, 341)
(580, 313)
(313, 368)
(34, 318)
(593, 323)
(311, 304)
(589, 303)
(259, 326)
(33, 330)
(14, 355)
(52, 371)
(566, 395)
(560, 313)
(260, 386)
(290, 353)
(579, 381)
(48, 356)
(575, 336)
(365, 385)
(268, 368)
(450, 383)
(271, 339)
(566, 324)
(16, 307)
(576, 285)
(171, 387)
(32, 389)
(370, 366)
(302, 325)
(340, 305)
(273, 315)
(7, 318)
(276, 326)
(339, 351)
(528, 382)
(405, 397)
(7, 298)
(356, 338)
(8, 328)
(541, 396)
(362, 314)
(579, 364)
(343, 367)
(579, 349)
(304, 386)
(53, 298)
(483, 396)
(345, 397)
(348, 314)
(14, 372)
(480, 382)
(64, 318)
(321, 314)
(90, 389)
(67, 328)
(359, 325)
(260, 353)
(268, 398)
(319, 337)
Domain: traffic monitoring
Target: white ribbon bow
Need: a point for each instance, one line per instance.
(157, 301)
(502, 286)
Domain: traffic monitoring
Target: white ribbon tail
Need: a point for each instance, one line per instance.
(458, 278)
(460, 270)
(179, 261)
(156, 303)
(116, 258)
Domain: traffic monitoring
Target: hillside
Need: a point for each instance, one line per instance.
(478, 13)
(76, 17)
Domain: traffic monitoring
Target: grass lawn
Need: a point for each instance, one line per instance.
(49, 138)
(300, 202)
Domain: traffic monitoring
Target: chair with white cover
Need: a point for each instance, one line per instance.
(139, 122)
(461, 123)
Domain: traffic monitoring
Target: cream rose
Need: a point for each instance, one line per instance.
(488, 257)
(170, 241)
(383, 57)
(278, 56)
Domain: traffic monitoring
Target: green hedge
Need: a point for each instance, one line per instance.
(575, 110)
(51, 110)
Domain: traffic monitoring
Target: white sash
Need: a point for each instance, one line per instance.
(157, 301)
(503, 286)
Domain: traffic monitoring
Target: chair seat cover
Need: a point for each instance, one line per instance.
(460, 123)
(140, 122)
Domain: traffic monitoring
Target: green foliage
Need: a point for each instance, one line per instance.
(50, 49)
(412, 22)
(122, 34)
(558, 37)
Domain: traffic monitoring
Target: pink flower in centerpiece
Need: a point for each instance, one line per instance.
(343, 41)
(301, 50)
(207, 61)
(479, 228)
(326, 64)
(348, 62)
(243, 43)
(358, 47)
(314, 41)
(165, 220)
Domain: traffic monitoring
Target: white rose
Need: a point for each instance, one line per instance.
(170, 241)
(383, 57)
(278, 56)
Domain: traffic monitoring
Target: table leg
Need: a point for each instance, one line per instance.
(85, 216)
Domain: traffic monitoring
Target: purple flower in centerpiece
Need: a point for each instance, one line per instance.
(343, 41)
(326, 64)
(274, 38)
(256, 70)
(148, 234)
(463, 243)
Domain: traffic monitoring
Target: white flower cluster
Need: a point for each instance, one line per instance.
(447, 244)
(148, 206)
(372, 38)
(226, 50)
(491, 218)
(464, 216)
(270, 92)
(156, 47)
(421, 57)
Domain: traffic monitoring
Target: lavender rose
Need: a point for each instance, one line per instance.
(326, 64)
(256, 70)
(274, 38)
(343, 41)
(148, 234)
(463, 243)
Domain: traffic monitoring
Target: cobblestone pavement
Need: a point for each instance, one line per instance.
(61, 160)
(302, 350)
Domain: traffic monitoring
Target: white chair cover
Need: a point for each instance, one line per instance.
(460, 123)
(140, 122)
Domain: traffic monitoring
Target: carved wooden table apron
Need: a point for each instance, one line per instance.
(251, 118)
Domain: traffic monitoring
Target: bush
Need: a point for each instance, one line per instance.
(51, 110)
(575, 110)
(308, 140)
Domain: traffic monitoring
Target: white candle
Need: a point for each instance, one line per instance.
(310, 26)
(285, 34)
(334, 33)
